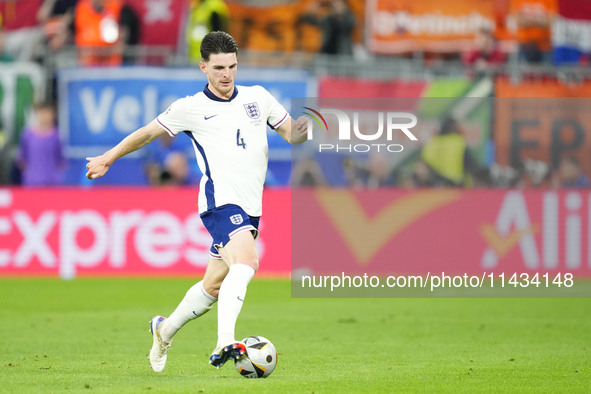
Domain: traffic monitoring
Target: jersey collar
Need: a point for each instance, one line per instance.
(213, 97)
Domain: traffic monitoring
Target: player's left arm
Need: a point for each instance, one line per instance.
(294, 132)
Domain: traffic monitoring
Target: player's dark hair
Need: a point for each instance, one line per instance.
(217, 42)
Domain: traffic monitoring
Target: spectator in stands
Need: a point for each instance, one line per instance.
(336, 21)
(379, 172)
(422, 175)
(40, 155)
(485, 55)
(155, 157)
(570, 174)
(57, 19)
(204, 16)
(165, 163)
(447, 155)
(176, 171)
(355, 172)
(533, 19)
(98, 31)
(130, 31)
(307, 172)
(419, 175)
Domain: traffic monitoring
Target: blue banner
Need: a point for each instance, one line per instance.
(100, 106)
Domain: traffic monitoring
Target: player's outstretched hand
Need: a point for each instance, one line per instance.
(96, 166)
(301, 130)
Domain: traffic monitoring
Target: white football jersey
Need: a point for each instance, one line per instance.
(230, 141)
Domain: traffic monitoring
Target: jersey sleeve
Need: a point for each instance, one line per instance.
(175, 119)
(277, 114)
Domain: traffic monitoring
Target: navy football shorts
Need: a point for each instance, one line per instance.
(225, 222)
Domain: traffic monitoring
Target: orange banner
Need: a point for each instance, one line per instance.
(531, 124)
(398, 26)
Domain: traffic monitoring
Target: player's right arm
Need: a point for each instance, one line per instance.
(98, 166)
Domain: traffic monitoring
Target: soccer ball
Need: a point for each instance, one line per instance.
(260, 358)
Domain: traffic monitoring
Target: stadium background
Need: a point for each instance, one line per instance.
(120, 226)
(97, 106)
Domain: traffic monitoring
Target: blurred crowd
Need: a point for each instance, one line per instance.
(104, 33)
(100, 29)
(445, 160)
(104, 30)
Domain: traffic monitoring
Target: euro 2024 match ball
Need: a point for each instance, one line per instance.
(260, 358)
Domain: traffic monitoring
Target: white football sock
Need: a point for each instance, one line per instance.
(197, 302)
(231, 297)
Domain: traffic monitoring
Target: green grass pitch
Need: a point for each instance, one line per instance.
(91, 336)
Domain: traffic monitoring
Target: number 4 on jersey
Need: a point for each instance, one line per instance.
(240, 141)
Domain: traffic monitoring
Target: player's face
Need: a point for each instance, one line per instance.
(221, 71)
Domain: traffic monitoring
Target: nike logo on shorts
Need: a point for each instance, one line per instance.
(239, 299)
(209, 117)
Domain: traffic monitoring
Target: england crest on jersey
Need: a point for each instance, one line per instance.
(236, 219)
(252, 110)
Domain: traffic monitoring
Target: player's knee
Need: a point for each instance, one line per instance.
(252, 262)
